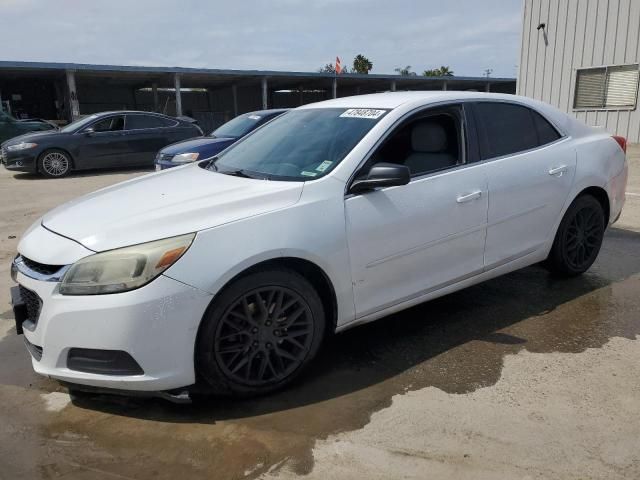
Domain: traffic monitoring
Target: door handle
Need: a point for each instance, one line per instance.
(469, 197)
(558, 170)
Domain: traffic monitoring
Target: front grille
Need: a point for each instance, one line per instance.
(34, 350)
(3, 155)
(42, 268)
(33, 303)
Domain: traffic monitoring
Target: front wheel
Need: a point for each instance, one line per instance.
(578, 239)
(260, 333)
(54, 163)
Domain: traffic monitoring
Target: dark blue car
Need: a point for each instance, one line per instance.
(212, 144)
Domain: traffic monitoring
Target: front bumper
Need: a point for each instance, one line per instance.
(20, 161)
(156, 325)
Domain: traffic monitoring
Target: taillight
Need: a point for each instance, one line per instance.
(621, 141)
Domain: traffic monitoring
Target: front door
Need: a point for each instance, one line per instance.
(102, 144)
(409, 240)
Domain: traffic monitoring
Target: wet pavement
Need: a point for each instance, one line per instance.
(457, 344)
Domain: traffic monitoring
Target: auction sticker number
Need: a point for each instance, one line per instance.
(363, 113)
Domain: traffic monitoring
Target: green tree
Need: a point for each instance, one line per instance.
(406, 71)
(443, 71)
(361, 64)
(328, 68)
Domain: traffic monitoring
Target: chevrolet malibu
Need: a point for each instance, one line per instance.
(230, 273)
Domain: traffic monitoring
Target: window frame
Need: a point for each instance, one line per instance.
(467, 143)
(604, 108)
(147, 114)
(102, 119)
(483, 137)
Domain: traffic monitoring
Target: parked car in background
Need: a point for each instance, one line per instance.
(11, 127)
(108, 139)
(216, 141)
(233, 271)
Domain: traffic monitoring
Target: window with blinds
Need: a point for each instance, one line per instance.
(607, 87)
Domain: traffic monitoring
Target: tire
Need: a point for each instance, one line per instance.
(246, 350)
(578, 239)
(54, 163)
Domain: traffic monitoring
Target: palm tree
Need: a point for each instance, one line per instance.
(438, 72)
(406, 71)
(361, 64)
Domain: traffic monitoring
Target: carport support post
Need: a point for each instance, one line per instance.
(74, 105)
(334, 88)
(234, 93)
(444, 85)
(301, 95)
(176, 80)
(265, 97)
(487, 87)
(154, 89)
(393, 85)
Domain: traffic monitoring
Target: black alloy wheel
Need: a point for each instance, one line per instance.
(579, 237)
(264, 336)
(260, 333)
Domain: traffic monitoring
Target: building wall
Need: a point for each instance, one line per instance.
(581, 33)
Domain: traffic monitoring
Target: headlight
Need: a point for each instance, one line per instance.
(124, 268)
(21, 146)
(185, 158)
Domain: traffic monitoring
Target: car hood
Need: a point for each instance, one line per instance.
(33, 136)
(165, 204)
(196, 145)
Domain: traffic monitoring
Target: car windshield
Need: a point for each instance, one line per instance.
(301, 145)
(239, 126)
(79, 124)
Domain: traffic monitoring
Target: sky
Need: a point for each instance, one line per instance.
(469, 36)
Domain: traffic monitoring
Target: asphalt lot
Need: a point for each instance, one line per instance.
(524, 376)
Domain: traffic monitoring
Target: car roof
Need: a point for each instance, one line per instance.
(393, 100)
(125, 112)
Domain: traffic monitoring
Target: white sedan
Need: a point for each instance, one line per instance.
(233, 271)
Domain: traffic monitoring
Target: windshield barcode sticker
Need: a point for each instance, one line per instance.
(363, 113)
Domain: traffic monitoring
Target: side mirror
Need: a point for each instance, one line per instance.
(382, 175)
(89, 131)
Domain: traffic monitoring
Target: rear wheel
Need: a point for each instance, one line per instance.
(54, 163)
(260, 333)
(578, 239)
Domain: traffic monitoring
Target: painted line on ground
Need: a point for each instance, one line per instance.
(632, 194)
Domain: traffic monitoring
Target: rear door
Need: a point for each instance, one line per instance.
(146, 135)
(530, 169)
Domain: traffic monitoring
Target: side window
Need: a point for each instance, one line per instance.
(507, 129)
(427, 143)
(111, 124)
(137, 122)
(510, 128)
(546, 132)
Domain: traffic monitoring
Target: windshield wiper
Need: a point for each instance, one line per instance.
(237, 173)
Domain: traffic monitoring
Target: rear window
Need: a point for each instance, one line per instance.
(510, 129)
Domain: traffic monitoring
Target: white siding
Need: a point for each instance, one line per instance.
(581, 33)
